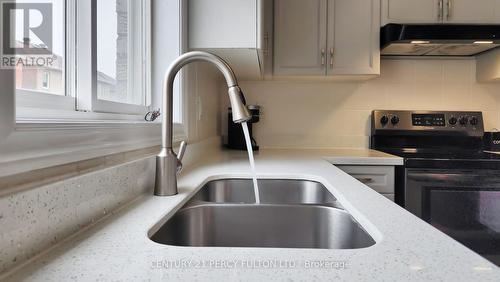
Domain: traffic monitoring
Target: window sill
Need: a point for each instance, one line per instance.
(44, 124)
(44, 114)
(37, 144)
(39, 177)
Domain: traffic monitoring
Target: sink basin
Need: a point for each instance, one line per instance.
(292, 214)
(276, 226)
(272, 191)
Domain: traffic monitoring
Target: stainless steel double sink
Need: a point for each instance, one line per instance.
(292, 214)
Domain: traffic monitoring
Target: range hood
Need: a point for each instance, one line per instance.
(438, 40)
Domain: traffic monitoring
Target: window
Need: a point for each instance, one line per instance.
(122, 56)
(119, 52)
(39, 86)
(91, 99)
(99, 59)
(173, 42)
(34, 81)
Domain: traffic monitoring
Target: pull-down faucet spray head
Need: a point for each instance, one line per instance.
(168, 163)
(237, 100)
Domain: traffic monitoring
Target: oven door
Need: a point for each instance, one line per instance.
(465, 204)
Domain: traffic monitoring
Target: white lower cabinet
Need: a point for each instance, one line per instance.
(379, 178)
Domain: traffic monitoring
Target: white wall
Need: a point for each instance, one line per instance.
(202, 86)
(203, 97)
(334, 114)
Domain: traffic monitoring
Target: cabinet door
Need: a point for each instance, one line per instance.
(472, 11)
(412, 11)
(265, 37)
(222, 24)
(353, 37)
(300, 37)
(379, 178)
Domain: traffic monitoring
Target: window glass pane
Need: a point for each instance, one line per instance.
(46, 80)
(168, 37)
(37, 46)
(119, 64)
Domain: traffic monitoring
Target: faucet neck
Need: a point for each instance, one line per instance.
(168, 164)
(168, 86)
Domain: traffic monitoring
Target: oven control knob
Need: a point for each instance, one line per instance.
(395, 120)
(453, 120)
(474, 121)
(463, 120)
(384, 120)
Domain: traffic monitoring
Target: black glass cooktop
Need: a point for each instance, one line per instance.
(446, 154)
(445, 158)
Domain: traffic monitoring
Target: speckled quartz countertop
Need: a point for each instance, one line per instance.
(345, 156)
(118, 248)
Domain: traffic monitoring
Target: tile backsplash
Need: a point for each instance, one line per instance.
(337, 114)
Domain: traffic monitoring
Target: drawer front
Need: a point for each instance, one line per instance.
(379, 178)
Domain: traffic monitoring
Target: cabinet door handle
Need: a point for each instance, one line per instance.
(448, 10)
(323, 56)
(440, 10)
(365, 180)
(266, 43)
(331, 57)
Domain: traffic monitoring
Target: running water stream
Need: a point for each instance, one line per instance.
(252, 161)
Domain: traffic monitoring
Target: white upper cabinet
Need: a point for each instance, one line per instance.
(300, 37)
(471, 11)
(353, 45)
(441, 11)
(412, 11)
(236, 30)
(326, 37)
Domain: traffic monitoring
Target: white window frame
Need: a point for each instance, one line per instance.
(182, 129)
(48, 131)
(46, 80)
(30, 102)
(88, 77)
(162, 10)
(81, 77)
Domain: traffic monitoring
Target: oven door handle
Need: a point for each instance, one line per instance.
(427, 177)
(454, 178)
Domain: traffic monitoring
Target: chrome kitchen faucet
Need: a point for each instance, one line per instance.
(168, 164)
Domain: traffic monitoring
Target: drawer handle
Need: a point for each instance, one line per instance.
(365, 180)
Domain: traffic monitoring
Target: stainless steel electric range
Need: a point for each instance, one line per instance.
(447, 179)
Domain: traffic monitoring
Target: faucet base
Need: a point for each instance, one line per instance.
(166, 173)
